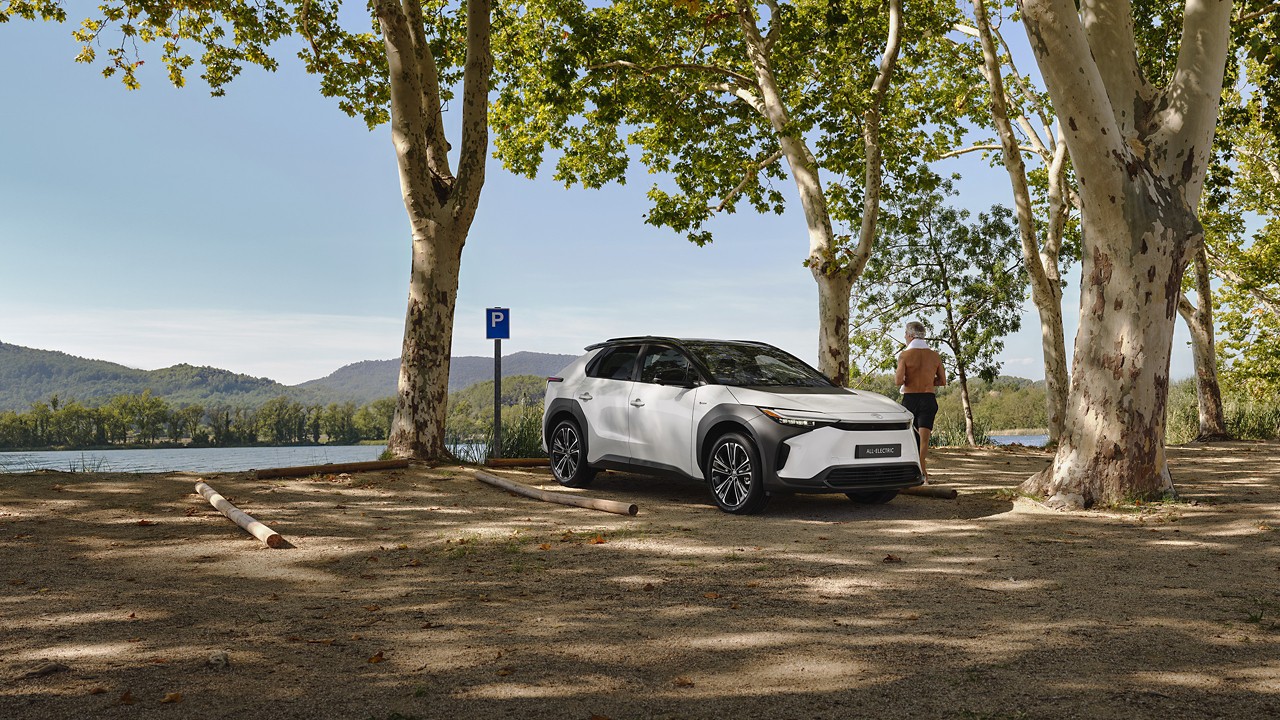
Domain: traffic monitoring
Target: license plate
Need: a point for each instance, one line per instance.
(878, 451)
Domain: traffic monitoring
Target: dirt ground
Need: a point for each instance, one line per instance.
(423, 593)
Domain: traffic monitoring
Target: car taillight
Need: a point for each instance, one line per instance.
(555, 379)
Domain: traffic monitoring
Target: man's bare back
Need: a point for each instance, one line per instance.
(920, 370)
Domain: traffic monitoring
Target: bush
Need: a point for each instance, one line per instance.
(1247, 419)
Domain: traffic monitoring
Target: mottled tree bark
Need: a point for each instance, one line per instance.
(1141, 155)
(440, 206)
(1199, 319)
(1040, 261)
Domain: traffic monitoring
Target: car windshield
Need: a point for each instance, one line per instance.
(755, 365)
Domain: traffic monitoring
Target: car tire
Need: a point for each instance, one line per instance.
(567, 448)
(873, 497)
(735, 476)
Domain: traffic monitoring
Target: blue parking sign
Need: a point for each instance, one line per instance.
(497, 323)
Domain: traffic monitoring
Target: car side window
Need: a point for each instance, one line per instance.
(615, 363)
(666, 366)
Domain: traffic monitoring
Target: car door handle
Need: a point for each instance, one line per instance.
(584, 397)
(637, 403)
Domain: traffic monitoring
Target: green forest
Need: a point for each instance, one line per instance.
(1004, 406)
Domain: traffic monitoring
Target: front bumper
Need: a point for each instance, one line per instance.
(826, 459)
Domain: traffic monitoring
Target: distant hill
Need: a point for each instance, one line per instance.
(28, 375)
(369, 380)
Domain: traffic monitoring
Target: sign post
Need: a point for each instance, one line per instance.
(497, 325)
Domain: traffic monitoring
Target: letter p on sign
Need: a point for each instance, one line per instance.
(497, 324)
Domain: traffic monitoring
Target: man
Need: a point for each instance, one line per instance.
(919, 372)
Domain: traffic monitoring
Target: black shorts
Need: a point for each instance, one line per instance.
(924, 406)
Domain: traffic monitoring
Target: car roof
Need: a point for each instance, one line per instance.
(672, 340)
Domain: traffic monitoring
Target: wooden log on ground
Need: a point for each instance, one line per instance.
(517, 462)
(305, 470)
(240, 517)
(933, 491)
(610, 506)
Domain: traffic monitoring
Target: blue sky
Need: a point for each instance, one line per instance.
(263, 232)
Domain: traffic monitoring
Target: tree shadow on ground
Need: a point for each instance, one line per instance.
(426, 594)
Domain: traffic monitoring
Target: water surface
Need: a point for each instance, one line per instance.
(187, 459)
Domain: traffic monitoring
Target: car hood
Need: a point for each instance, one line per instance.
(837, 402)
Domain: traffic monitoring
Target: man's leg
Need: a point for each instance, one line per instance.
(924, 434)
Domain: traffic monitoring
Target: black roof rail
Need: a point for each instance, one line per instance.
(672, 340)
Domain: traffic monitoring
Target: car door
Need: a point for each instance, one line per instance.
(603, 395)
(661, 410)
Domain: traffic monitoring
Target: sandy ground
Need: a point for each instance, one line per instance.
(422, 593)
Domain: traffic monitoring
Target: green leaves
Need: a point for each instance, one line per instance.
(962, 278)
(673, 86)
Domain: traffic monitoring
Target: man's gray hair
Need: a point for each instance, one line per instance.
(915, 329)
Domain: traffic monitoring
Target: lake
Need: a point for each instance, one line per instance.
(188, 459)
(1028, 440)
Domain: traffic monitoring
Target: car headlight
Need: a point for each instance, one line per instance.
(796, 418)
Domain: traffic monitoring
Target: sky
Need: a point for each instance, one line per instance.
(264, 233)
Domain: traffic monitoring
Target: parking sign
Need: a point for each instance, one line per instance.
(497, 323)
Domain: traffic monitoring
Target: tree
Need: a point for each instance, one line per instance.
(961, 279)
(1046, 236)
(1141, 154)
(715, 100)
(405, 76)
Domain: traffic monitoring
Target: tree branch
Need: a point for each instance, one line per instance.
(475, 104)
(1063, 52)
(752, 174)
(1250, 17)
(1109, 27)
(437, 144)
(871, 140)
(978, 148)
(1193, 97)
(655, 69)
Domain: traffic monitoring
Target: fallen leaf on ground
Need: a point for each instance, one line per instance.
(544, 546)
(372, 608)
(145, 523)
(377, 658)
(98, 691)
(711, 595)
(598, 540)
(891, 559)
(413, 563)
(172, 698)
(648, 587)
(126, 698)
(682, 682)
(505, 671)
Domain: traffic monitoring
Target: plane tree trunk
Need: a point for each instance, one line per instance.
(440, 205)
(1199, 319)
(1040, 260)
(1141, 155)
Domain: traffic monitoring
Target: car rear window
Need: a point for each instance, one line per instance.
(614, 363)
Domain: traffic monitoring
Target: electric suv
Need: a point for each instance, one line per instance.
(746, 417)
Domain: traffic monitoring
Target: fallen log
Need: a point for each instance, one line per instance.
(611, 506)
(305, 470)
(517, 462)
(241, 518)
(933, 491)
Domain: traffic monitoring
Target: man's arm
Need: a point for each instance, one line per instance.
(900, 376)
(940, 375)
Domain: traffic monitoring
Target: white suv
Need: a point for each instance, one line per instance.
(747, 417)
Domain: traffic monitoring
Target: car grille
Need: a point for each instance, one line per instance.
(873, 476)
(866, 426)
